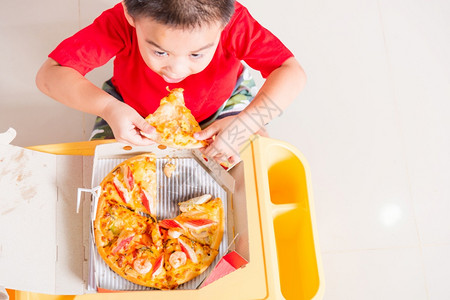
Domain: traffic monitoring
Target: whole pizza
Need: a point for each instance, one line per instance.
(136, 245)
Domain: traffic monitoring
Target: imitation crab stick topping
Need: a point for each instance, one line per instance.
(158, 266)
(198, 224)
(145, 202)
(123, 243)
(168, 224)
(128, 177)
(121, 190)
(190, 253)
(173, 233)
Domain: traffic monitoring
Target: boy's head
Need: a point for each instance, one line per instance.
(178, 38)
(184, 14)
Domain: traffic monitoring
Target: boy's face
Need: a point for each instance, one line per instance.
(175, 53)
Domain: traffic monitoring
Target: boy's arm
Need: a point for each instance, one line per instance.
(69, 87)
(279, 90)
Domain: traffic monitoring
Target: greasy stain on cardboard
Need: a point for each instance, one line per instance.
(16, 179)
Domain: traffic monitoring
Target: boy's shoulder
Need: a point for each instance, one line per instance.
(238, 8)
(240, 13)
(114, 14)
(238, 5)
(115, 11)
(113, 21)
(118, 8)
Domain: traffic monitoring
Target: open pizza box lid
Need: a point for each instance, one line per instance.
(45, 244)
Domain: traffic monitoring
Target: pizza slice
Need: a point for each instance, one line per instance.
(113, 225)
(185, 259)
(133, 184)
(130, 244)
(146, 265)
(137, 258)
(175, 123)
(201, 220)
(146, 268)
(118, 232)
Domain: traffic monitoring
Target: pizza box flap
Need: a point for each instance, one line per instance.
(239, 256)
(41, 241)
(241, 241)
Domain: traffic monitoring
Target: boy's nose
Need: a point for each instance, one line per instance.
(177, 69)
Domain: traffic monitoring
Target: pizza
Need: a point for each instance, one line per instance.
(185, 259)
(133, 184)
(201, 220)
(175, 123)
(142, 249)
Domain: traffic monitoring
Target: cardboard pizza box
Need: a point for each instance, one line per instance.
(194, 176)
(45, 244)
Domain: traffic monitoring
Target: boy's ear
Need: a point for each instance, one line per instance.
(127, 15)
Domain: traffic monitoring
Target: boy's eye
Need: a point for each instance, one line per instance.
(160, 53)
(196, 55)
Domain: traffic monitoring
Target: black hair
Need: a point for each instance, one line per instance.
(182, 13)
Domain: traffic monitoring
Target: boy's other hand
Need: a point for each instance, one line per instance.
(127, 124)
(223, 141)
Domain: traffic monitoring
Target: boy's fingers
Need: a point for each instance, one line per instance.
(134, 139)
(146, 129)
(206, 133)
(211, 150)
(144, 126)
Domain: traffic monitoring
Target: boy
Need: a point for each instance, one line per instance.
(193, 44)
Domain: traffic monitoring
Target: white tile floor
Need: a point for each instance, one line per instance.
(373, 122)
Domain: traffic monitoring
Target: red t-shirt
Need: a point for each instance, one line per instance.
(111, 35)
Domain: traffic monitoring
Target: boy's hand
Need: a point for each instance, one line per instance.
(127, 124)
(224, 142)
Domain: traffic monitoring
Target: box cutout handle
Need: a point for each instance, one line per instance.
(94, 191)
(8, 136)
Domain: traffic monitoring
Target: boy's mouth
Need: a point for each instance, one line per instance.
(172, 80)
